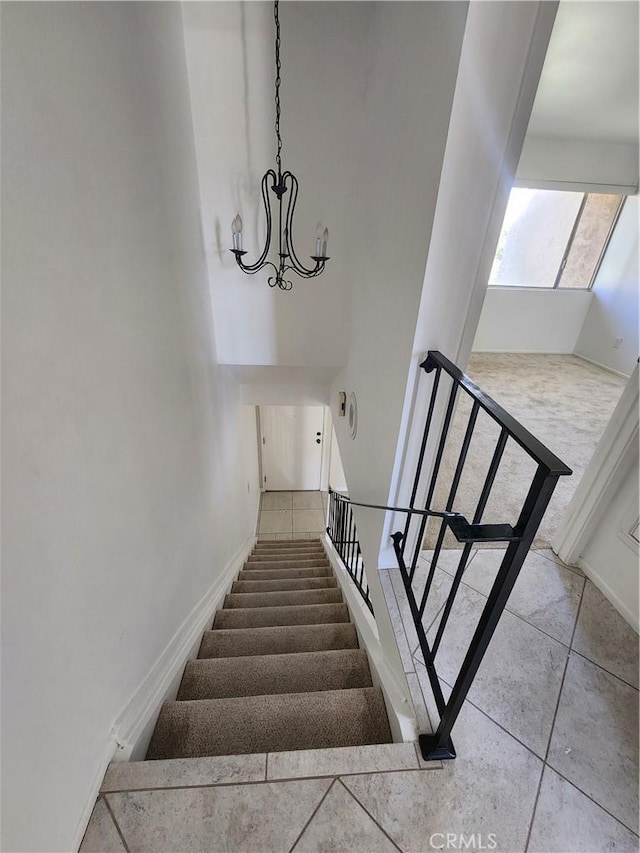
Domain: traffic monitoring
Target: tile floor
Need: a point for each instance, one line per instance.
(559, 680)
(547, 746)
(292, 515)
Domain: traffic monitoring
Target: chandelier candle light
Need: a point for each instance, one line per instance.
(280, 182)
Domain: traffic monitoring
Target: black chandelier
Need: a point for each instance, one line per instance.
(280, 182)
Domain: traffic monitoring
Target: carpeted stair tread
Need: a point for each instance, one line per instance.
(284, 598)
(219, 678)
(275, 552)
(274, 723)
(263, 617)
(261, 557)
(281, 574)
(277, 640)
(254, 565)
(289, 562)
(284, 584)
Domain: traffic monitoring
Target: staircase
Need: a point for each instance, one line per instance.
(280, 670)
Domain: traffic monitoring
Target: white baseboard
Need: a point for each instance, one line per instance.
(494, 351)
(397, 697)
(94, 790)
(627, 614)
(600, 365)
(139, 714)
(147, 700)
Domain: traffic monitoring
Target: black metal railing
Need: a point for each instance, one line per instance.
(434, 483)
(341, 528)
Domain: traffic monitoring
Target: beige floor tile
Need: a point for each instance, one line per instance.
(520, 676)
(277, 500)
(548, 553)
(263, 817)
(438, 594)
(545, 594)
(341, 760)
(342, 825)
(603, 636)
(276, 521)
(307, 500)
(184, 772)
(266, 537)
(595, 738)
(449, 559)
(284, 537)
(440, 586)
(308, 520)
(490, 788)
(101, 835)
(568, 822)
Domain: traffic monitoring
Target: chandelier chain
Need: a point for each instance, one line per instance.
(278, 67)
(280, 184)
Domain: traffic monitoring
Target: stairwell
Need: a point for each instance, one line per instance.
(280, 669)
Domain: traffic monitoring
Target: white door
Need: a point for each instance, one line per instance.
(292, 438)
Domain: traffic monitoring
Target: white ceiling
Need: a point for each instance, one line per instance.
(589, 84)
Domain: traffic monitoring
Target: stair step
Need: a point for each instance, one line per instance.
(283, 574)
(284, 584)
(262, 557)
(274, 723)
(293, 545)
(264, 617)
(269, 565)
(288, 543)
(273, 552)
(221, 678)
(286, 598)
(278, 640)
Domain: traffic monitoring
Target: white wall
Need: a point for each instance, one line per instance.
(415, 48)
(614, 310)
(502, 56)
(268, 385)
(517, 319)
(337, 479)
(124, 485)
(583, 165)
(325, 57)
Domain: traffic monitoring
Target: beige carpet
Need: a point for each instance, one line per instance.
(279, 670)
(564, 401)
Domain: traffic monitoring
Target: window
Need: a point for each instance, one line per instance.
(553, 239)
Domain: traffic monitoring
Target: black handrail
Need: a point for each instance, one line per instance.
(518, 537)
(341, 528)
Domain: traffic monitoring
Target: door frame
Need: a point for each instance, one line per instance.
(325, 459)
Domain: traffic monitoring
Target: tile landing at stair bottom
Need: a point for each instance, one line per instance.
(255, 802)
(281, 669)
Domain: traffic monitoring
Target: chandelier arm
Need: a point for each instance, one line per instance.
(262, 260)
(312, 274)
(295, 264)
